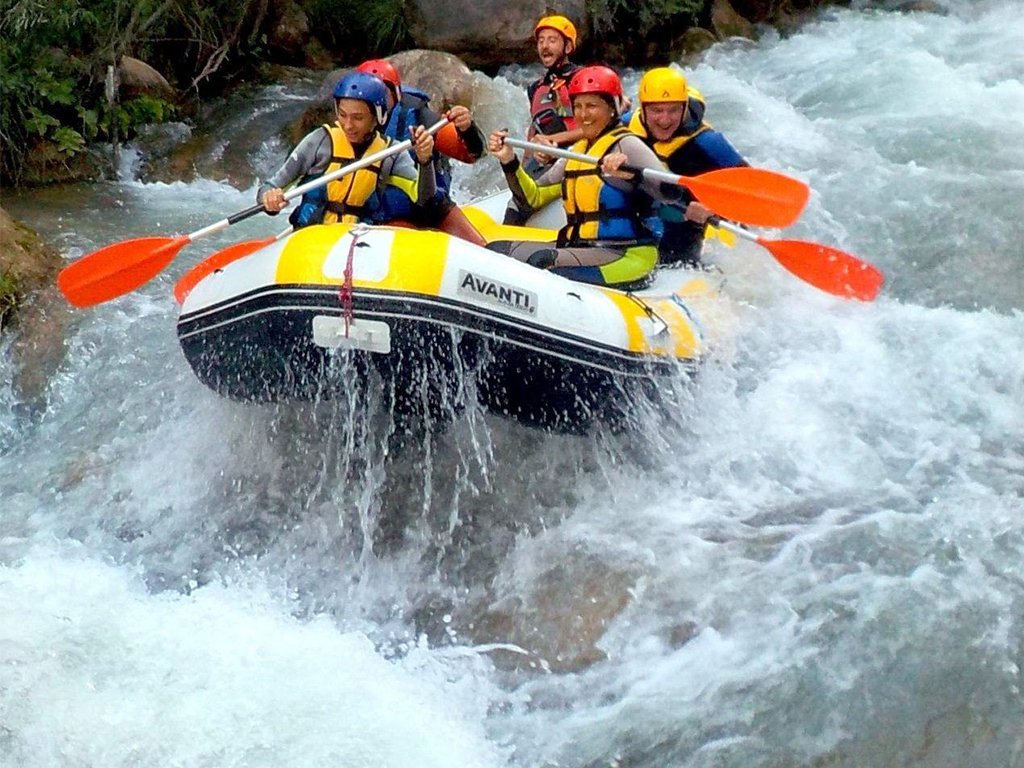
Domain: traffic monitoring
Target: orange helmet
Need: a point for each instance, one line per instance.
(560, 24)
(385, 70)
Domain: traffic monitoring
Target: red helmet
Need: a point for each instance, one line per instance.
(385, 70)
(597, 79)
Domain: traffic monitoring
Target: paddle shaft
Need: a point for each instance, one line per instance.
(752, 196)
(302, 189)
(118, 268)
(568, 154)
(736, 229)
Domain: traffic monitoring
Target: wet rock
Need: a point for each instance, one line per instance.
(682, 633)
(45, 163)
(756, 10)
(444, 77)
(559, 615)
(290, 38)
(137, 78)
(912, 6)
(694, 41)
(485, 33)
(31, 308)
(26, 264)
(726, 22)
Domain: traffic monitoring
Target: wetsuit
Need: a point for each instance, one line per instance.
(605, 241)
(440, 212)
(315, 153)
(695, 148)
(550, 113)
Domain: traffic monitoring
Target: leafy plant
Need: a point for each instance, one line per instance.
(9, 297)
(55, 55)
(363, 28)
(638, 25)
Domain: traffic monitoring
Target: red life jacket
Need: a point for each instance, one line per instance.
(550, 105)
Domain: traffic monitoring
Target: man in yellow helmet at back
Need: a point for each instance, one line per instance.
(670, 120)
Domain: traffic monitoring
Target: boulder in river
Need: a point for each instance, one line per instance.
(30, 307)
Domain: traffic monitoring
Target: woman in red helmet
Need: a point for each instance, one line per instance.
(605, 240)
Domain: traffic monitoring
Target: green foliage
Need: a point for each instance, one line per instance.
(638, 25)
(147, 109)
(55, 55)
(9, 297)
(362, 28)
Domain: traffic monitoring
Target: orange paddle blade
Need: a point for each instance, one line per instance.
(827, 268)
(116, 269)
(216, 261)
(752, 196)
(448, 142)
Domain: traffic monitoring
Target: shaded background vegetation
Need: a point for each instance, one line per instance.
(55, 56)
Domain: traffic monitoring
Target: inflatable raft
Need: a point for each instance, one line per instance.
(436, 321)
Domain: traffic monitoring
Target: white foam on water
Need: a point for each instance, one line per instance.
(816, 560)
(101, 672)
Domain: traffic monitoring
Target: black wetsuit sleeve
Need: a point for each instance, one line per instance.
(428, 116)
(473, 138)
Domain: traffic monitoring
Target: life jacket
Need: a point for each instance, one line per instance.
(408, 113)
(691, 126)
(594, 209)
(679, 240)
(343, 199)
(550, 104)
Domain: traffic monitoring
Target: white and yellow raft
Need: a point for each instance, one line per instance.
(439, 320)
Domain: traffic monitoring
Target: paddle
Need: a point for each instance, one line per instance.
(122, 267)
(824, 267)
(219, 260)
(752, 196)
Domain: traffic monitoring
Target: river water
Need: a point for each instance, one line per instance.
(819, 562)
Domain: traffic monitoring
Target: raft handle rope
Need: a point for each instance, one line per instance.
(345, 292)
(653, 316)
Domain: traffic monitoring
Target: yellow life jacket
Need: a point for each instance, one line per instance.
(665, 149)
(347, 196)
(593, 209)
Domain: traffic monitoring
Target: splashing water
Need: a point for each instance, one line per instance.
(816, 561)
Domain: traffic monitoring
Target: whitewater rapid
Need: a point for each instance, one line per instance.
(820, 561)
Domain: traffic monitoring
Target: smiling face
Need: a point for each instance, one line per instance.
(592, 113)
(663, 118)
(552, 48)
(356, 120)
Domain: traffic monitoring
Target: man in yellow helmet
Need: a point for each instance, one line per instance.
(551, 120)
(671, 121)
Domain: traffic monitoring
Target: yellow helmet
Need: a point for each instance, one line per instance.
(663, 84)
(560, 24)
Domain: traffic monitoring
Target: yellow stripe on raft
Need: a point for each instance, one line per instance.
(305, 252)
(682, 341)
(492, 231)
(297, 264)
(410, 270)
